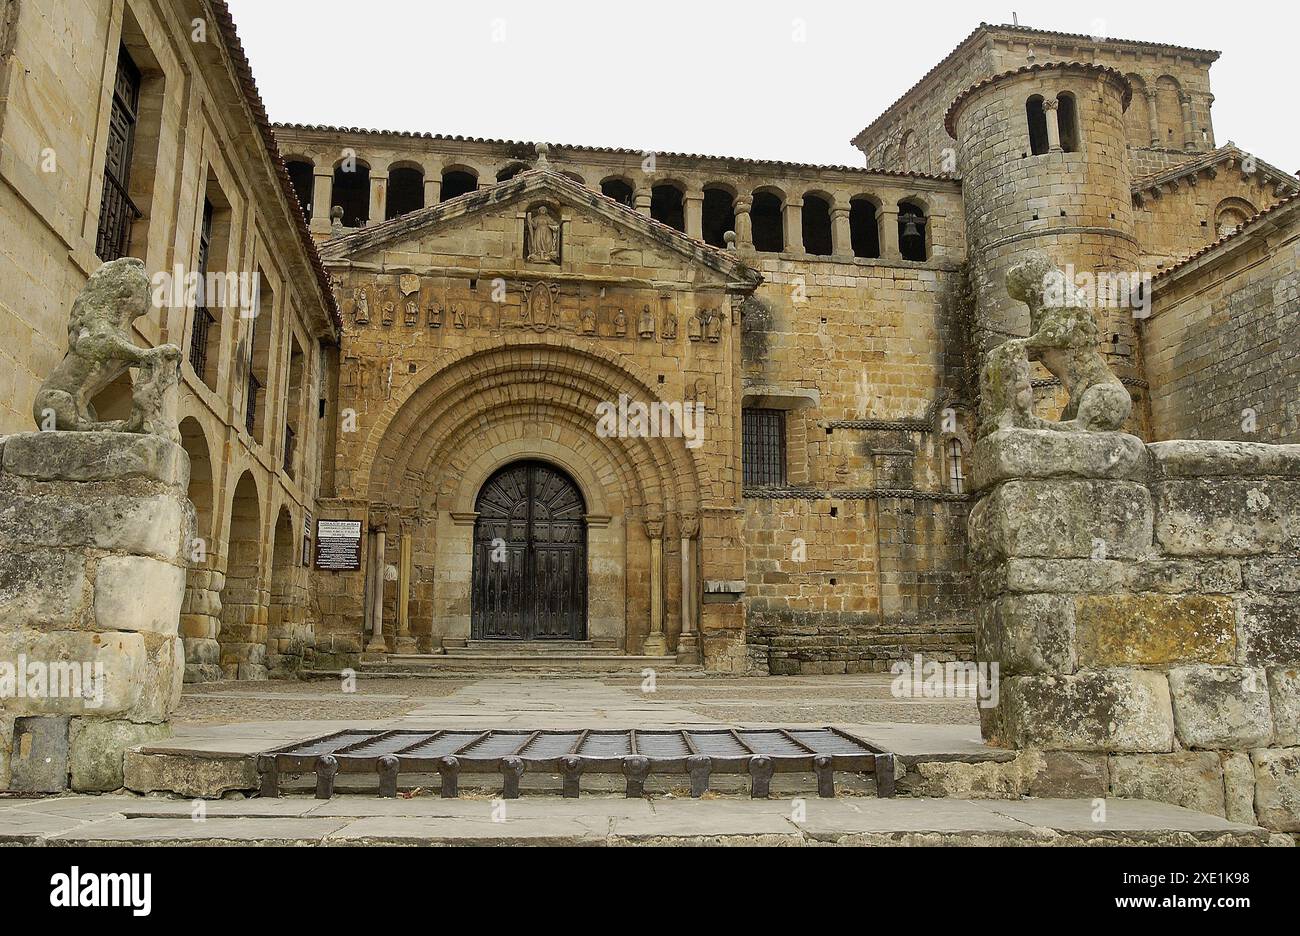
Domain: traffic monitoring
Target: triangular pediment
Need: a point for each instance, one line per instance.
(629, 230)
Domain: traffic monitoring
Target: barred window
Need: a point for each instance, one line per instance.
(116, 210)
(763, 433)
(956, 471)
(203, 318)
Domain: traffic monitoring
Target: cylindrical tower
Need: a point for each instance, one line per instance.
(1043, 156)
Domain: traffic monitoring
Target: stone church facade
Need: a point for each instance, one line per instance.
(715, 411)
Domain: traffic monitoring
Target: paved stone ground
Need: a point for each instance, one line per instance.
(599, 820)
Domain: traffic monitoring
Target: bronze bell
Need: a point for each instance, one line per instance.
(910, 228)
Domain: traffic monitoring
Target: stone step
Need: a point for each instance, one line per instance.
(602, 662)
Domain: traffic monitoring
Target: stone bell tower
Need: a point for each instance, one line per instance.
(1044, 166)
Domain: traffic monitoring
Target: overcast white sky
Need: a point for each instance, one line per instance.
(706, 76)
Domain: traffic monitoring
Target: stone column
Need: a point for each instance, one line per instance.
(1153, 117)
(656, 644)
(744, 227)
(642, 201)
(1190, 131)
(841, 232)
(405, 642)
(378, 197)
(889, 249)
(688, 644)
(792, 221)
(322, 200)
(378, 567)
(1051, 109)
(432, 190)
(694, 204)
(96, 531)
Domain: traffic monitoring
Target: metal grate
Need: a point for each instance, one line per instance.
(763, 436)
(634, 754)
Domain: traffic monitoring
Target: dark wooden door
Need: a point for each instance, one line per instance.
(530, 557)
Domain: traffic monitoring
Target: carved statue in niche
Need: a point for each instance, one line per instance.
(412, 313)
(713, 329)
(543, 236)
(588, 322)
(700, 391)
(696, 327)
(390, 310)
(541, 306)
(361, 313)
(1063, 337)
(336, 287)
(100, 350)
(646, 327)
(458, 316)
(670, 323)
(620, 324)
(435, 315)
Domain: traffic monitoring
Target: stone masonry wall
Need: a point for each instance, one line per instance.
(1141, 603)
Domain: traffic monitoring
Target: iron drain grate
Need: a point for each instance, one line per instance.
(760, 753)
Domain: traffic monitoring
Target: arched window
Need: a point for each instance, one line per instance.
(510, 171)
(1037, 125)
(352, 192)
(620, 190)
(302, 175)
(864, 229)
(912, 232)
(956, 470)
(817, 226)
(458, 182)
(765, 219)
(1067, 118)
(1231, 214)
(405, 191)
(667, 206)
(719, 216)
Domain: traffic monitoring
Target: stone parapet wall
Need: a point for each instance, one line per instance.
(95, 534)
(1141, 604)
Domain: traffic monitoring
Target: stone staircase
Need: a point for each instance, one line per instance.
(494, 656)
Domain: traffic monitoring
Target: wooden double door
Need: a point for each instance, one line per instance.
(530, 556)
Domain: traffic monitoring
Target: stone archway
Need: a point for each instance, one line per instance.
(243, 608)
(287, 630)
(201, 612)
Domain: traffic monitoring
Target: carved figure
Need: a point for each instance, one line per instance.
(100, 350)
(646, 326)
(361, 314)
(588, 322)
(1063, 336)
(543, 236)
(620, 324)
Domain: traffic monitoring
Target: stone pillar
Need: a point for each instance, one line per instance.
(1191, 132)
(693, 201)
(405, 642)
(432, 190)
(841, 232)
(1051, 109)
(744, 226)
(889, 249)
(688, 644)
(1139, 604)
(656, 644)
(792, 223)
(378, 197)
(642, 200)
(1153, 117)
(96, 531)
(322, 200)
(378, 568)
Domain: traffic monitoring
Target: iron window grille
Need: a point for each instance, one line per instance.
(956, 470)
(117, 211)
(764, 448)
(203, 318)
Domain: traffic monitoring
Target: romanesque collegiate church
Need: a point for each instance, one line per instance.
(500, 398)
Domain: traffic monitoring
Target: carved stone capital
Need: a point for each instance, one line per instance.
(690, 524)
(654, 528)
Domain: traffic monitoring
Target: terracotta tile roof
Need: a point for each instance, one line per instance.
(1204, 161)
(1031, 69)
(984, 28)
(253, 97)
(526, 149)
(1243, 228)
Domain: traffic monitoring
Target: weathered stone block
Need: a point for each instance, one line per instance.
(42, 587)
(1123, 711)
(1284, 698)
(1019, 454)
(1027, 634)
(1221, 707)
(1221, 517)
(73, 672)
(1272, 575)
(1190, 780)
(158, 525)
(1109, 577)
(39, 762)
(1065, 774)
(1149, 630)
(97, 456)
(161, 679)
(98, 747)
(1203, 458)
(1239, 788)
(199, 778)
(134, 593)
(1277, 788)
(1063, 520)
(1268, 632)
